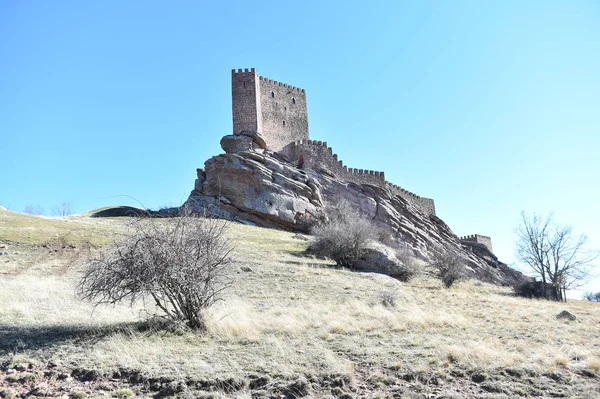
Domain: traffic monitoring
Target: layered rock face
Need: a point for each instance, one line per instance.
(253, 185)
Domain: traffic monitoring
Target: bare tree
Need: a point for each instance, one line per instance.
(558, 257)
(64, 209)
(180, 263)
(34, 210)
(591, 296)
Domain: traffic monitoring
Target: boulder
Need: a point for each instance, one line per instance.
(256, 137)
(379, 258)
(565, 314)
(232, 144)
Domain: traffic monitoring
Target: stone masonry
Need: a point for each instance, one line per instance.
(480, 239)
(278, 113)
(273, 109)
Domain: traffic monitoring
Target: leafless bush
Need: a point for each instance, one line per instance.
(388, 297)
(592, 296)
(64, 209)
(35, 210)
(408, 270)
(535, 289)
(449, 267)
(345, 237)
(180, 263)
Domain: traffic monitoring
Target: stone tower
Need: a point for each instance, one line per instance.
(275, 110)
(245, 94)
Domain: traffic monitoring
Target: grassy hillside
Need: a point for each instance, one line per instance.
(292, 326)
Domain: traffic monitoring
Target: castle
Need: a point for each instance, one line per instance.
(277, 113)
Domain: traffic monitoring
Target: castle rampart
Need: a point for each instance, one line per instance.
(317, 155)
(426, 205)
(478, 238)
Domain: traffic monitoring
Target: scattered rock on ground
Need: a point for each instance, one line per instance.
(299, 236)
(565, 314)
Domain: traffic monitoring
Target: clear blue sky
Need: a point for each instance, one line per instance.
(488, 107)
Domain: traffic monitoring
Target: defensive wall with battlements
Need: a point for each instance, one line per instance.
(317, 155)
(478, 238)
(278, 112)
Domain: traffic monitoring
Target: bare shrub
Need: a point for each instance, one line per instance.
(179, 263)
(408, 270)
(34, 210)
(592, 296)
(388, 297)
(344, 237)
(449, 267)
(534, 289)
(64, 209)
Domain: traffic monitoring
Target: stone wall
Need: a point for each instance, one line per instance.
(426, 205)
(317, 155)
(245, 99)
(284, 113)
(478, 238)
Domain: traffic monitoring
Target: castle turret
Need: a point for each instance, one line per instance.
(245, 93)
(274, 109)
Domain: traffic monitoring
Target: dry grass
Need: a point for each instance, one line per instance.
(27, 229)
(294, 315)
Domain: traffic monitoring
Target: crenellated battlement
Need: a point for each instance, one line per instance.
(276, 83)
(473, 237)
(318, 155)
(245, 70)
(478, 238)
(402, 190)
(337, 163)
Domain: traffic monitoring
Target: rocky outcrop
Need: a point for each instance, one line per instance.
(259, 187)
(243, 141)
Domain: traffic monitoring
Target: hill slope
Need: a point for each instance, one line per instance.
(260, 187)
(292, 326)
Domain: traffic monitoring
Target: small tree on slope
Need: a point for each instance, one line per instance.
(181, 263)
(559, 258)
